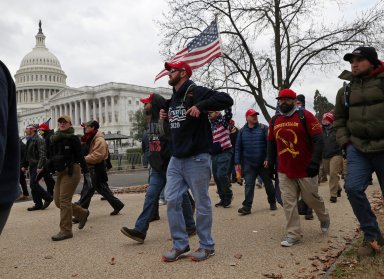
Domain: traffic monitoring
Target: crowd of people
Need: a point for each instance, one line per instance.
(190, 140)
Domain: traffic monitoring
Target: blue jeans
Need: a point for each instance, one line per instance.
(193, 172)
(38, 192)
(250, 175)
(157, 181)
(360, 167)
(221, 164)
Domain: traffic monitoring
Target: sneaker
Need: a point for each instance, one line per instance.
(175, 254)
(202, 254)
(333, 199)
(227, 204)
(61, 236)
(191, 231)
(162, 202)
(289, 241)
(259, 185)
(133, 234)
(370, 248)
(244, 211)
(117, 210)
(339, 193)
(83, 219)
(309, 216)
(219, 204)
(273, 206)
(47, 202)
(325, 226)
(35, 207)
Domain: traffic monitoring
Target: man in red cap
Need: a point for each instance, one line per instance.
(298, 146)
(34, 160)
(359, 122)
(47, 133)
(190, 164)
(332, 158)
(251, 156)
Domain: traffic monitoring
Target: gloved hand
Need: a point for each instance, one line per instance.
(313, 169)
(88, 180)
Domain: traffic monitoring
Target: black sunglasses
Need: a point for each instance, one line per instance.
(171, 71)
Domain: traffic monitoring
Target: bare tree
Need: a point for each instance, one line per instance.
(268, 43)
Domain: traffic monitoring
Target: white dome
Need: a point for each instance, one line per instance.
(40, 68)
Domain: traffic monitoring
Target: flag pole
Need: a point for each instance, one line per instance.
(224, 64)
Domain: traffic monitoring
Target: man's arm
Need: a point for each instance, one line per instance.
(4, 99)
(41, 146)
(210, 100)
(341, 118)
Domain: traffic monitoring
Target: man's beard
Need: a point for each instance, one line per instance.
(174, 81)
(285, 108)
(148, 111)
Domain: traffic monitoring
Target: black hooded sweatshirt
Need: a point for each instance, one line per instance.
(159, 153)
(190, 135)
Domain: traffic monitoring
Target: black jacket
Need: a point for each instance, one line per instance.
(159, 153)
(9, 140)
(331, 147)
(190, 135)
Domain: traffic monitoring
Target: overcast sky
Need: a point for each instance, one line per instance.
(103, 41)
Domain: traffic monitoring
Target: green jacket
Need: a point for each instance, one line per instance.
(364, 127)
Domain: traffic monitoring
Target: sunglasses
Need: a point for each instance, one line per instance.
(171, 71)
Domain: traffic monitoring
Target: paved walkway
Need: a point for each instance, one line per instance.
(246, 246)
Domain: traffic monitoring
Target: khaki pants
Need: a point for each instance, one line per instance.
(290, 192)
(65, 187)
(333, 167)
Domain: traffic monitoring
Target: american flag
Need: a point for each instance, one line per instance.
(202, 49)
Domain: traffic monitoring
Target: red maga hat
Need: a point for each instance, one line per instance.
(251, 112)
(148, 99)
(327, 117)
(180, 65)
(287, 93)
(44, 127)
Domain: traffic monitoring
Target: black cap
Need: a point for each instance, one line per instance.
(93, 123)
(301, 99)
(368, 53)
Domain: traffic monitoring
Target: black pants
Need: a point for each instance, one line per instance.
(102, 188)
(4, 213)
(49, 182)
(23, 183)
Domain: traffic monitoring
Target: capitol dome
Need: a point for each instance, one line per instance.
(40, 75)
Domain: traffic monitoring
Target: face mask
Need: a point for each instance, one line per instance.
(285, 108)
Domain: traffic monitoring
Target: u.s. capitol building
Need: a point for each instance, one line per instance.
(42, 93)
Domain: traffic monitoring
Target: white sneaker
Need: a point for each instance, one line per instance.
(325, 226)
(289, 241)
(162, 202)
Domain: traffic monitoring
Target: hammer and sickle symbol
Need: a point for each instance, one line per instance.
(290, 146)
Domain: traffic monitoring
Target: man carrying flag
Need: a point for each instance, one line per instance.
(190, 164)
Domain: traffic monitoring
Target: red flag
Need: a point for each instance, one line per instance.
(201, 50)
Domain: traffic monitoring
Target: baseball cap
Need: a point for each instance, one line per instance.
(65, 117)
(32, 126)
(368, 53)
(148, 99)
(180, 65)
(93, 123)
(287, 93)
(327, 117)
(44, 127)
(251, 112)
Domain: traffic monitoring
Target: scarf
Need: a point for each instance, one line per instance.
(60, 135)
(87, 138)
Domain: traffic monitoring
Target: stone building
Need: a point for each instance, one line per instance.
(42, 93)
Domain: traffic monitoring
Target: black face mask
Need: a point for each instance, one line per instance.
(285, 108)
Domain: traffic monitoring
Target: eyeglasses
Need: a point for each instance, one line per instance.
(171, 71)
